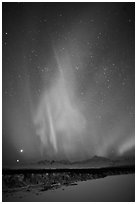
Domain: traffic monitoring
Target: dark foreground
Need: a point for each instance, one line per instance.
(26, 180)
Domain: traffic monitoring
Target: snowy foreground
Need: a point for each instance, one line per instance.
(27, 181)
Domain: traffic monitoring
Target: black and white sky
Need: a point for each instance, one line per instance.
(68, 80)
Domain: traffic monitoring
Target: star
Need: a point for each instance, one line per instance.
(123, 83)
(77, 68)
(129, 20)
(19, 76)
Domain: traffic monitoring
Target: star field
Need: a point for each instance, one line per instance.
(97, 41)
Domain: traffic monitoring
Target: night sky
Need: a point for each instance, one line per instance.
(68, 81)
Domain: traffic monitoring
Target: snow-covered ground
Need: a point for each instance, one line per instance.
(111, 188)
